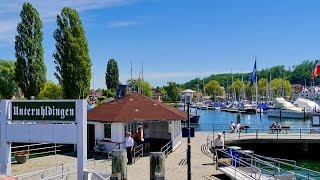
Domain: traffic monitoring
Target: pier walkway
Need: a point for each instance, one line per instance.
(202, 165)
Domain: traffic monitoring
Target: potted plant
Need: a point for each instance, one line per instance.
(21, 156)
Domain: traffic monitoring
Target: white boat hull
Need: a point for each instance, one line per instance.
(285, 113)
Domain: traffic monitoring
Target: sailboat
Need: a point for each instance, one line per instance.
(286, 109)
(244, 105)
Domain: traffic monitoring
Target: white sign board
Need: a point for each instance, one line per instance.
(71, 114)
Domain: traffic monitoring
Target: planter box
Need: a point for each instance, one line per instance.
(21, 158)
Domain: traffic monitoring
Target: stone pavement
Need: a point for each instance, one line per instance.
(176, 164)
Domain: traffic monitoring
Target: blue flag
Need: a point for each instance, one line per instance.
(253, 75)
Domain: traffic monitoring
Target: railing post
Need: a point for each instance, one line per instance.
(257, 134)
(134, 155)
(300, 133)
(55, 149)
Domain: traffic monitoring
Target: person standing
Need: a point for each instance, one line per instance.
(218, 143)
(139, 135)
(238, 117)
(146, 137)
(129, 147)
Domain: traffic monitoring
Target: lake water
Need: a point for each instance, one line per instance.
(216, 120)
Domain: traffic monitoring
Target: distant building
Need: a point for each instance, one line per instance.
(109, 122)
(296, 90)
(312, 93)
(156, 95)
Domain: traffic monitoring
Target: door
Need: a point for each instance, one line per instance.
(91, 137)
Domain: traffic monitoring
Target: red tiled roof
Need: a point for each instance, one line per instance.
(135, 107)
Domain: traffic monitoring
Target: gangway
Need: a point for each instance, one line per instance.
(286, 165)
(240, 165)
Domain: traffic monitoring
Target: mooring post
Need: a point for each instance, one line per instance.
(157, 165)
(119, 162)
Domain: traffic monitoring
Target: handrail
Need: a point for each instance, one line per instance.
(240, 161)
(167, 148)
(137, 150)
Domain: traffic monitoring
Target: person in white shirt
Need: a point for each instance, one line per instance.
(218, 143)
(146, 136)
(129, 147)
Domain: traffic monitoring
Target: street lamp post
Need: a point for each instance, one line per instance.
(187, 97)
(189, 146)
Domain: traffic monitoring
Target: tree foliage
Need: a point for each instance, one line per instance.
(213, 88)
(143, 86)
(112, 74)
(280, 87)
(50, 90)
(262, 86)
(302, 73)
(8, 87)
(30, 70)
(73, 64)
(173, 91)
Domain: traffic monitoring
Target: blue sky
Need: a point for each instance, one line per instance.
(177, 39)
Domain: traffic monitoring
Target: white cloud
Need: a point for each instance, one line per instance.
(48, 10)
(115, 24)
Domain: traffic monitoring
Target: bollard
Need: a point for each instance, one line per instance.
(119, 162)
(157, 165)
(87, 175)
(115, 176)
(158, 176)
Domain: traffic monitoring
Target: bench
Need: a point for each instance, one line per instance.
(245, 127)
(285, 127)
(242, 127)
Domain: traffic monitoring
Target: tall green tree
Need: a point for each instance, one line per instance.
(143, 86)
(173, 91)
(30, 70)
(280, 87)
(73, 64)
(50, 90)
(112, 74)
(262, 86)
(8, 87)
(213, 88)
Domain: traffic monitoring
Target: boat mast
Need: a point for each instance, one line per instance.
(234, 96)
(256, 81)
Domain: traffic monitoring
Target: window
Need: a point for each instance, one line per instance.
(107, 131)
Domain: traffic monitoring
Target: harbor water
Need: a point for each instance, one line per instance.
(216, 120)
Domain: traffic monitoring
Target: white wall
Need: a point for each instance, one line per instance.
(117, 134)
(176, 135)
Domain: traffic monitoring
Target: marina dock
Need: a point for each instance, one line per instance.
(202, 166)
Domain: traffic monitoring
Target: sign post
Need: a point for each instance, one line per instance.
(59, 121)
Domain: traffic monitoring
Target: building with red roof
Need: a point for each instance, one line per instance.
(110, 122)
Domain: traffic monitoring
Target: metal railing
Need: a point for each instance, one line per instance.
(236, 162)
(291, 166)
(293, 133)
(36, 150)
(137, 152)
(68, 171)
(167, 149)
(254, 126)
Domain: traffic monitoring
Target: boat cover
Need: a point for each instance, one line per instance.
(282, 103)
(308, 104)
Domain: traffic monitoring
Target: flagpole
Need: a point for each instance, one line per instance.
(255, 62)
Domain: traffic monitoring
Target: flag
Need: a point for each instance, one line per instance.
(253, 75)
(316, 71)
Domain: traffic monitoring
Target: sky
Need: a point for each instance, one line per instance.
(178, 40)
